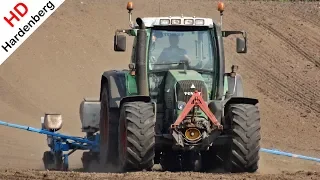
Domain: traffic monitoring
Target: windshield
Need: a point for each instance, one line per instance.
(180, 49)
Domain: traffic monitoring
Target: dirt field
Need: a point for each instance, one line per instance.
(62, 62)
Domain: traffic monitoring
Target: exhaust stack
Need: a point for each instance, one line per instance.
(141, 64)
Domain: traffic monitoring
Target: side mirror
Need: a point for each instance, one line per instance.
(120, 43)
(241, 46)
(241, 43)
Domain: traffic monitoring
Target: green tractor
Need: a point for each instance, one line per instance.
(175, 105)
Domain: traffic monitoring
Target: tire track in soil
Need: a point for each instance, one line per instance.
(309, 16)
(284, 89)
(287, 90)
(286, 40)
(282, 37)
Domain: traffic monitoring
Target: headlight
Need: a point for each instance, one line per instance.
(181, 105)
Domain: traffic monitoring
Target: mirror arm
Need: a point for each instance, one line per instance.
(228, 33)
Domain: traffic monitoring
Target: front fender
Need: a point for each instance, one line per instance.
(135, 98)
(241, 100)
(116, 84)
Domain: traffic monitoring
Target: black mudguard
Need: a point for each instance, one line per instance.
(235, 94)
(116, 82)
(135, 98)
(241, 100)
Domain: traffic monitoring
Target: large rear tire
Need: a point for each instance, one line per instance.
(136, 145)
(108, 132)
(243, 150)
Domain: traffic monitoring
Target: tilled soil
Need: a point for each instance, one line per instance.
(63, 60)
(45, 175)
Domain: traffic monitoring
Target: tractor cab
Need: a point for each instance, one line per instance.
(179, 48)
(185, 46)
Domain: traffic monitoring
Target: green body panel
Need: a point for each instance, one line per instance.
(131, 85)
(172, 78)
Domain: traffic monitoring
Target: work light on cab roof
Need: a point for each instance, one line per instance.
(175, 20)
(183, 21)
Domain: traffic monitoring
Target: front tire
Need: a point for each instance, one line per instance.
(136, 145)
(243, 150)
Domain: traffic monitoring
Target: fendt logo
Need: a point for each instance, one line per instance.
(190, 93)
(20, 18)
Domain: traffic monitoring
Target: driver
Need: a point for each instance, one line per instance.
(174, 53)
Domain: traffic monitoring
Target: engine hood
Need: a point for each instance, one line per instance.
(180, 85)
(179, 75)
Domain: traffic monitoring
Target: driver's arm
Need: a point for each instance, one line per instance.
(185, 55)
